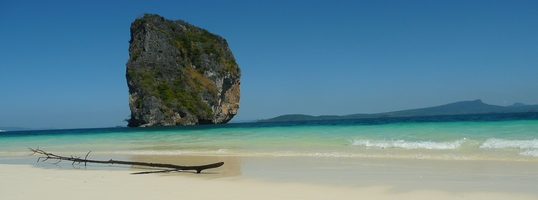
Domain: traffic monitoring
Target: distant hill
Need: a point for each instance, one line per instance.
(457, 108)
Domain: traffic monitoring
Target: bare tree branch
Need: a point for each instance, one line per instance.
(198, 168)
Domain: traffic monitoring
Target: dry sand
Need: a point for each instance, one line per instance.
(277, 178)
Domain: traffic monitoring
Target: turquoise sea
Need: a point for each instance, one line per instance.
(511, 137)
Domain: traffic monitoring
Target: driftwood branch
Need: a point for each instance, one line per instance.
(198, 168)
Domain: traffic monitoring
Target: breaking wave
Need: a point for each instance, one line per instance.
(530, 147)
(529, 152)
(494, 143)
(407, 144)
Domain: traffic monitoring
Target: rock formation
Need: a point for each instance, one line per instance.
(179, 74)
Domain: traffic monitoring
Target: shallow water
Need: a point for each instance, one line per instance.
(511, 137)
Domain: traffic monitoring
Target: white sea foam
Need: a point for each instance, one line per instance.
(494, 143)
(530, 147)
(407, 144)
(529, 152)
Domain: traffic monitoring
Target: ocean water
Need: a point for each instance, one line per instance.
(511, 137)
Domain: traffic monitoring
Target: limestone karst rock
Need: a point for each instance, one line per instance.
(179, 74)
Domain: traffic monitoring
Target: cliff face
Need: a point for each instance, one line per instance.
(179, 74)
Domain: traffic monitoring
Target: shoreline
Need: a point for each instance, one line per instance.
(276, 178)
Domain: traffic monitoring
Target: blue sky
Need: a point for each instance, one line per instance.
(63, 62)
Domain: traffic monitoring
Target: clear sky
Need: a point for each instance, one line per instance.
(62, 63)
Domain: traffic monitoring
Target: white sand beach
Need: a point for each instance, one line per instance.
(277, 178)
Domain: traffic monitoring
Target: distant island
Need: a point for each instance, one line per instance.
(457, 108)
